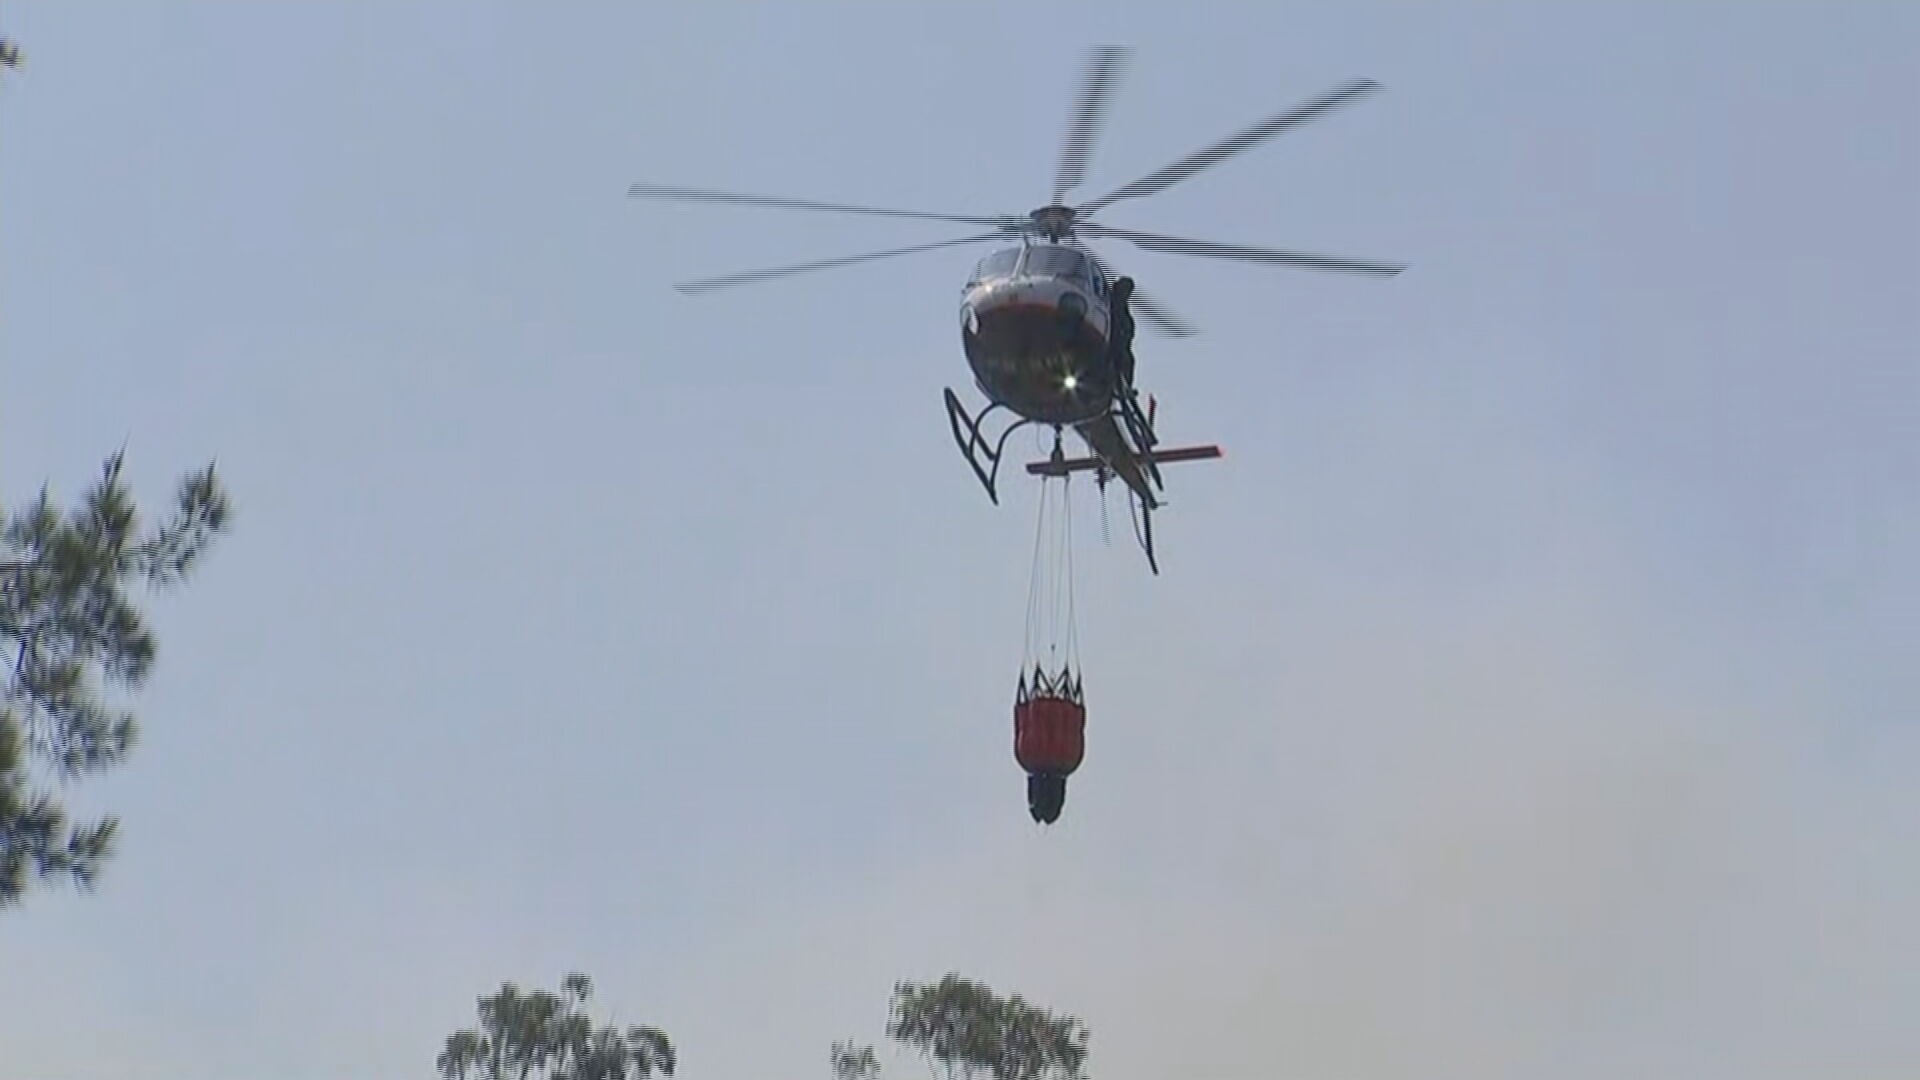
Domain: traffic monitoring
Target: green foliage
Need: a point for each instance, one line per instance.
(545, 1036)
(851, 1062)
(967, 1030)
(67, 624)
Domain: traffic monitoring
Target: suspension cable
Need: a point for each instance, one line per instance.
(1033, 579)
(1065, 567)
(1052, 631)
(1054, 583)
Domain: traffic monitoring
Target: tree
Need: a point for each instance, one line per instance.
(544, 1036)
(851, 1062)
(968, 1031)
(67, 624)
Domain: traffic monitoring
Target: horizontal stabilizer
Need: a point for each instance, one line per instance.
(1087, 464)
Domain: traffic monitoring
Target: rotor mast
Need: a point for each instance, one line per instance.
(1053, 222)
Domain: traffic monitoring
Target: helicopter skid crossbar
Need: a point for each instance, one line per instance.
(973, 445)
(1090, 464)
(1149, 460)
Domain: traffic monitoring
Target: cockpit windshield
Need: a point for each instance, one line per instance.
(1052, 261)
(997, 265)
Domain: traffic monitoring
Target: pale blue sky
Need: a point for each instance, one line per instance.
(1531, 690)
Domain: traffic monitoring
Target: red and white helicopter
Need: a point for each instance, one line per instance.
(1035, 316)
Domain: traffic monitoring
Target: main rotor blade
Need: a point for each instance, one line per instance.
(1152, 311)
(1226, 148)
(750, 277)
(1103, 72)
(1180, 245)
(658, 191)
(1161, 317)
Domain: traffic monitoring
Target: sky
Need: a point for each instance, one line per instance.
(1530, 691)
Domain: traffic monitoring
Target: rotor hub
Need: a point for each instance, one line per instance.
(1054, 222)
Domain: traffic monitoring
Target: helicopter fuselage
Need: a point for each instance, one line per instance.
(1034, 321)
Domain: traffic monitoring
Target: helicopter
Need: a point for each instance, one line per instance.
(1036, 315)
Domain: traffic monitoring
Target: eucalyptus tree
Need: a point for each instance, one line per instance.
(547, 1036)
(965, 1031)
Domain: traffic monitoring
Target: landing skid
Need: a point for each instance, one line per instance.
(1146, 538)
(984, 456)
(1140, 512)
(973, 445)
(1143, 450)
(1140, 428)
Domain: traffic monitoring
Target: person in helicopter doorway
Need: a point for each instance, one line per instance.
(1120, 335)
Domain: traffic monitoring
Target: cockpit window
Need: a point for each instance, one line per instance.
(1058, 262)
(998, 264)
